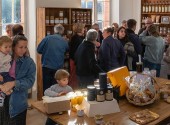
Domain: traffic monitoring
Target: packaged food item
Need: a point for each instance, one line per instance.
(157, 19)
(142, 89)
(153, 17)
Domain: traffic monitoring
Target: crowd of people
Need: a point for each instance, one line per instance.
(90, 53)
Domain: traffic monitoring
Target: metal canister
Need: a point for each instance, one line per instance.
(109, 93)
(91, 93)
(100, 94)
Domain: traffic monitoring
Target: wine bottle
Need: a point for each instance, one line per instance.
(156, 7)
(153, 7)
(144, 8)
(159, 7)
(149, 7)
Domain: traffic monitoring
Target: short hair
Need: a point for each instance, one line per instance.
(9, 27)
(17, 29)
(153, 30)
(115, 25)
(59, 29)
(5, 39)
(124, 21)
(60, 74)
(78, 27)
(131, 23)
(91, 35)
(109, 29)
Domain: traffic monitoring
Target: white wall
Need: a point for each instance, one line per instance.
(114, 12)
(124, 10)
(59, 3)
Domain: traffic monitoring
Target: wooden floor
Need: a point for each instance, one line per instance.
(34, 117)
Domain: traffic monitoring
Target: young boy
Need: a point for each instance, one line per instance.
(62, 87)
(5, 58)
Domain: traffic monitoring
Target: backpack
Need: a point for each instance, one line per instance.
(129, 49)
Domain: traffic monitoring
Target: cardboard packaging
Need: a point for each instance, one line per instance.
(56, 104)
(93, 108)
(117, 78)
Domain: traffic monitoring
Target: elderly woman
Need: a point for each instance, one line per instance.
(87, 68)
(76, 40)
(154, 48)
(111, 53)
(52, 48)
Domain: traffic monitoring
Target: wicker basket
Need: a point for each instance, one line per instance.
(155, 97)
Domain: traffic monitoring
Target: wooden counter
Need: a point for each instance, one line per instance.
(122, 118)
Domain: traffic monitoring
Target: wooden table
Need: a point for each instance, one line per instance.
(122, 118)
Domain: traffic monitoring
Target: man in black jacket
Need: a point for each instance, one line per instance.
(131, 24)
(87, 67)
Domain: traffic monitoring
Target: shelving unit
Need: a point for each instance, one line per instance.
(47, 18)
(159, 11)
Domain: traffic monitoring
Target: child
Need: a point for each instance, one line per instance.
(5, 58)
(61, 88)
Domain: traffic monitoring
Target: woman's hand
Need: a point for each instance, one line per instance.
(7, 87)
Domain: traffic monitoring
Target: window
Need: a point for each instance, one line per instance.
(101, 11)
(12, 12)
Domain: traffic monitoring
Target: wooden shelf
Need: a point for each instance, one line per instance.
(156, 13)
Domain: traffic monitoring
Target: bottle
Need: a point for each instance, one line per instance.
(153, 7)
(166, 6)
(156, 7)
(159, 7)
(149, 7)
(163, 7)
(144, 8)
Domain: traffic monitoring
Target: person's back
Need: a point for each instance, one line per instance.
(115, 53)
(53, 48)
(111, 53)
(154, 48)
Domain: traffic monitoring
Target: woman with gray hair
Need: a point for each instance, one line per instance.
(87, 68)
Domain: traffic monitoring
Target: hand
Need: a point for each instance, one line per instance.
(1, 79)
(61, 93)
(6, 87)
(97, 44)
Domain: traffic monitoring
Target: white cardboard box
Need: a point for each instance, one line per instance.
(93, 108)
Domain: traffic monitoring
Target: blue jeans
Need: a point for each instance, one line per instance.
(48, 78)
(151, 66)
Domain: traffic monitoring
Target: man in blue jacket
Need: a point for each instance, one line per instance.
(52, 48)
